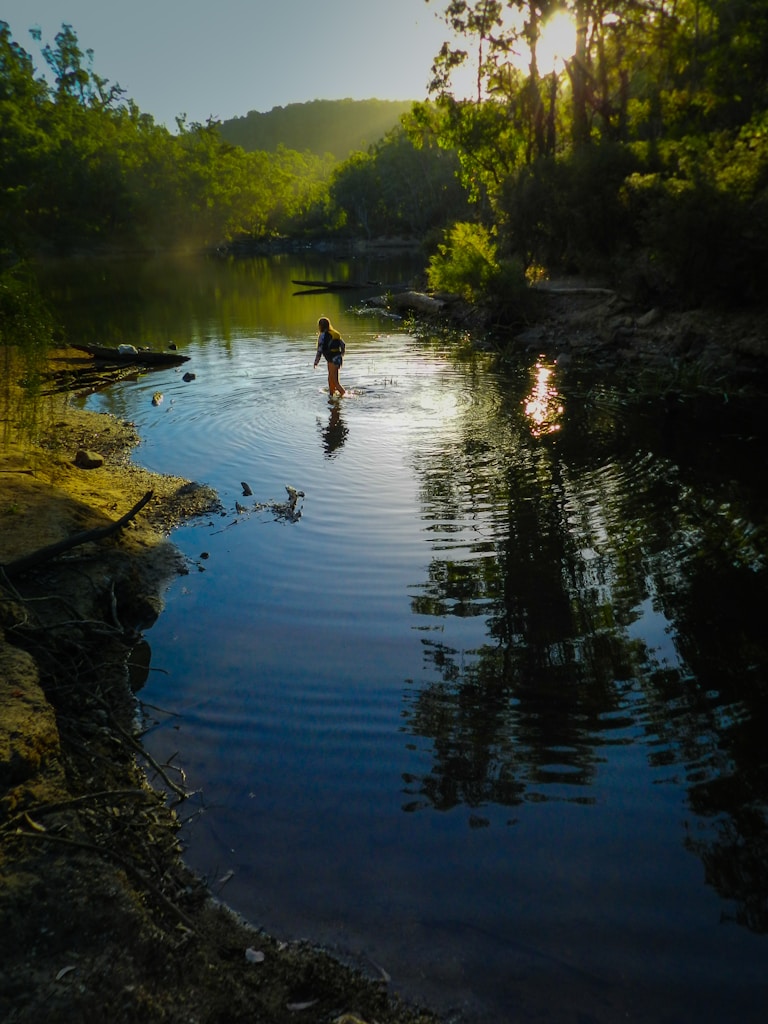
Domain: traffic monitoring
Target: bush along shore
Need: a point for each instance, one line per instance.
(99, 917)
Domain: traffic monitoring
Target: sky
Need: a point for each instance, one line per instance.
(223, 58)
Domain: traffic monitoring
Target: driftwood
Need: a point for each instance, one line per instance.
(132, 355)
(319, 287)
(330, 286)
(86, 379)
(575, 290)
(35, 558)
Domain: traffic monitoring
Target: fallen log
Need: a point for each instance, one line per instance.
(122, 354)
(21, 565)
(329, 286)
(316, 286)
(571, 290)
(85, 380)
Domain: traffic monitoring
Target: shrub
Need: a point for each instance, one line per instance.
(709, 244)
(465, 263)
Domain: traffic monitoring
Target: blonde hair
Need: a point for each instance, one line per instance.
(324, 324)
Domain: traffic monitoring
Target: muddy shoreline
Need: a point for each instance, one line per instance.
(99, 917)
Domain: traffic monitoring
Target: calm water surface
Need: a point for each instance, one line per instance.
(492, 712)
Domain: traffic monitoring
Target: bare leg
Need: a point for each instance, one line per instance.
(333, 380)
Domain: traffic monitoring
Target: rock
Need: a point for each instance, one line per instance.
(649, 318)
(531, 337)
(137, 610)
(416, 301)
(29, 738)
(189, 376)
(293, 497)
(88, 460)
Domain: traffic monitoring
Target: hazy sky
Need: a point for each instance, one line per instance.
(222, 58)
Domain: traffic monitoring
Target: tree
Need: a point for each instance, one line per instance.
(21, 137)
(356, 190)
(73, 79)
(81, 165)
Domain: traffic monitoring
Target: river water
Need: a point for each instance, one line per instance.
(490, 713)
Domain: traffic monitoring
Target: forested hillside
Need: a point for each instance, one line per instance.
(338, 127)
(642, 156)
(82, 167)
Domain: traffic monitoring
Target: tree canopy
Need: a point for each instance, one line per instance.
(642, 152)
(81, 165)
(645, 147)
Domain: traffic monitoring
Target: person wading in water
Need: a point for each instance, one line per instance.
(330, 345)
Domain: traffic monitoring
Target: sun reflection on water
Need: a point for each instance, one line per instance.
(543, 406)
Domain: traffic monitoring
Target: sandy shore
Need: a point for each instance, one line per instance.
(99, 917)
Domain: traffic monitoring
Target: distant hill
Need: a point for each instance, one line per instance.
(339, 127)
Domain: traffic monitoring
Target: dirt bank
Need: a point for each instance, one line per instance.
(99, 918)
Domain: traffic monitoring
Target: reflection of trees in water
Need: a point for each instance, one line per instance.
(734, 850)
(722, 630)
(557, 549)
(26, 334)
(521, 716)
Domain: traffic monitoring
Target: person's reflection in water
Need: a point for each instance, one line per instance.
(335, 434)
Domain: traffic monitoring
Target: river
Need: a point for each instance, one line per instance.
(488, 713)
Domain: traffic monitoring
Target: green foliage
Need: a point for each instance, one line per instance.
(485, 140)
(568, 212)
(645, 158)
(649, 149)
(25, 322)
(81, 166)
(406, 185)
(26, 334)
(466, 263)
(74, 80)
(355, 191)
(703, 217)
(335, 127)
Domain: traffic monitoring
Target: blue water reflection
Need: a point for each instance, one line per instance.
(491, 712)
